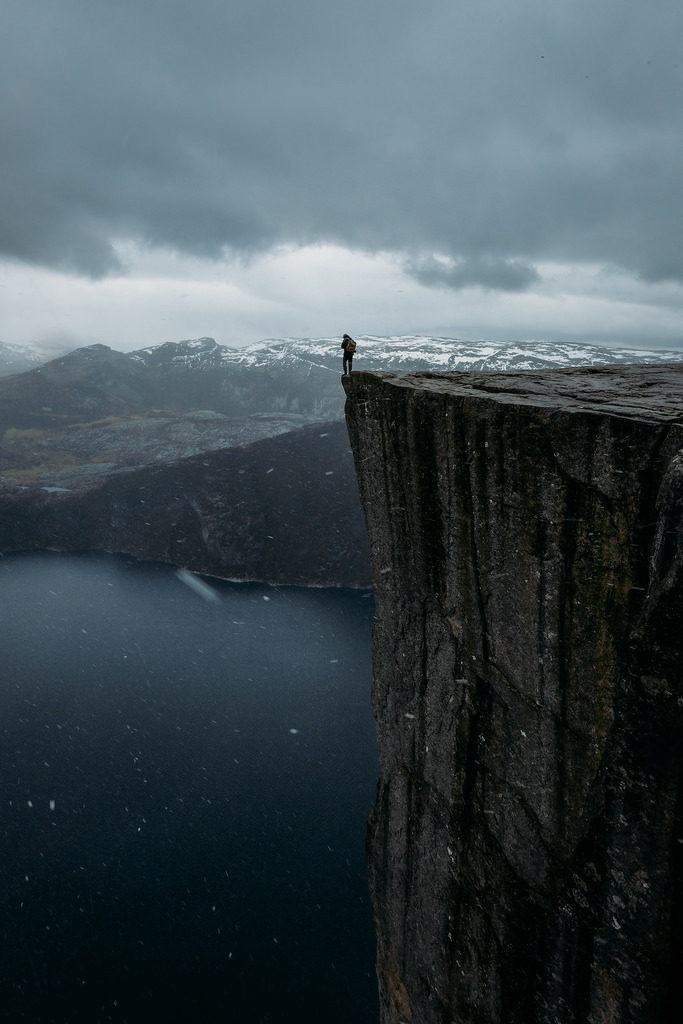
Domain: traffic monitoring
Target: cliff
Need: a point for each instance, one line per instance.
(526, 848)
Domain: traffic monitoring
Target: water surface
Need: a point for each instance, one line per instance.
(185, 784)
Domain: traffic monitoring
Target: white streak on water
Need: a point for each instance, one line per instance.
(199, 587)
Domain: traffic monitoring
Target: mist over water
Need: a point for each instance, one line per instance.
(185, 784)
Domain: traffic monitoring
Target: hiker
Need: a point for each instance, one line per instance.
(349, 346)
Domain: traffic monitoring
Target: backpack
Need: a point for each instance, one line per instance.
(350, 346)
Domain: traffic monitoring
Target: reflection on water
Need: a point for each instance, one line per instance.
(185, 785)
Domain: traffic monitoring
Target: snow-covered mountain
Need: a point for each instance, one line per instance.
(404, 352)
(396, 352)
(301, 375)
(17, 359)
(294, 377)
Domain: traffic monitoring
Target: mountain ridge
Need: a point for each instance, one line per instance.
(438, 351)
(298, 376)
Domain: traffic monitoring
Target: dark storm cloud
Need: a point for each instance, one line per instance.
(495, 274)
(493, 135)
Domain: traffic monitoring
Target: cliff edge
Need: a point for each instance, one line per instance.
(526, 847)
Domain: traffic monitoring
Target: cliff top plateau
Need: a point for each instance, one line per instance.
(651, 392)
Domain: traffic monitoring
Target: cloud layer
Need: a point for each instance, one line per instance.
(475, 141)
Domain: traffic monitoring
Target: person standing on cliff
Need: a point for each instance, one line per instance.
(349, 346)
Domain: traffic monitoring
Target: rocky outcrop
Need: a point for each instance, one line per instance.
(526, 848)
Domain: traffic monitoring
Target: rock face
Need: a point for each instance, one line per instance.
(526, 848)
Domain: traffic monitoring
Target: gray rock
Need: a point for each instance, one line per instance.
(526, 848)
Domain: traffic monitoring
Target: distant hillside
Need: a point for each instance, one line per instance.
(15, 359)
(174, 453)
(297, 376)
(281, 508)
(95, 382)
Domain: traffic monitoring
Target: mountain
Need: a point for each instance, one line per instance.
(299, 376)
(16, 359)
(79, 431)
(184, 453)
(421, 352)
(97, 382)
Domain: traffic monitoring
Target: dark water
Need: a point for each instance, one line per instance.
(184, 789)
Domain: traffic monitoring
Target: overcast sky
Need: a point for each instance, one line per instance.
(263, 168)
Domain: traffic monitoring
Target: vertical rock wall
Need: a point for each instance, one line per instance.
(526, 848)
